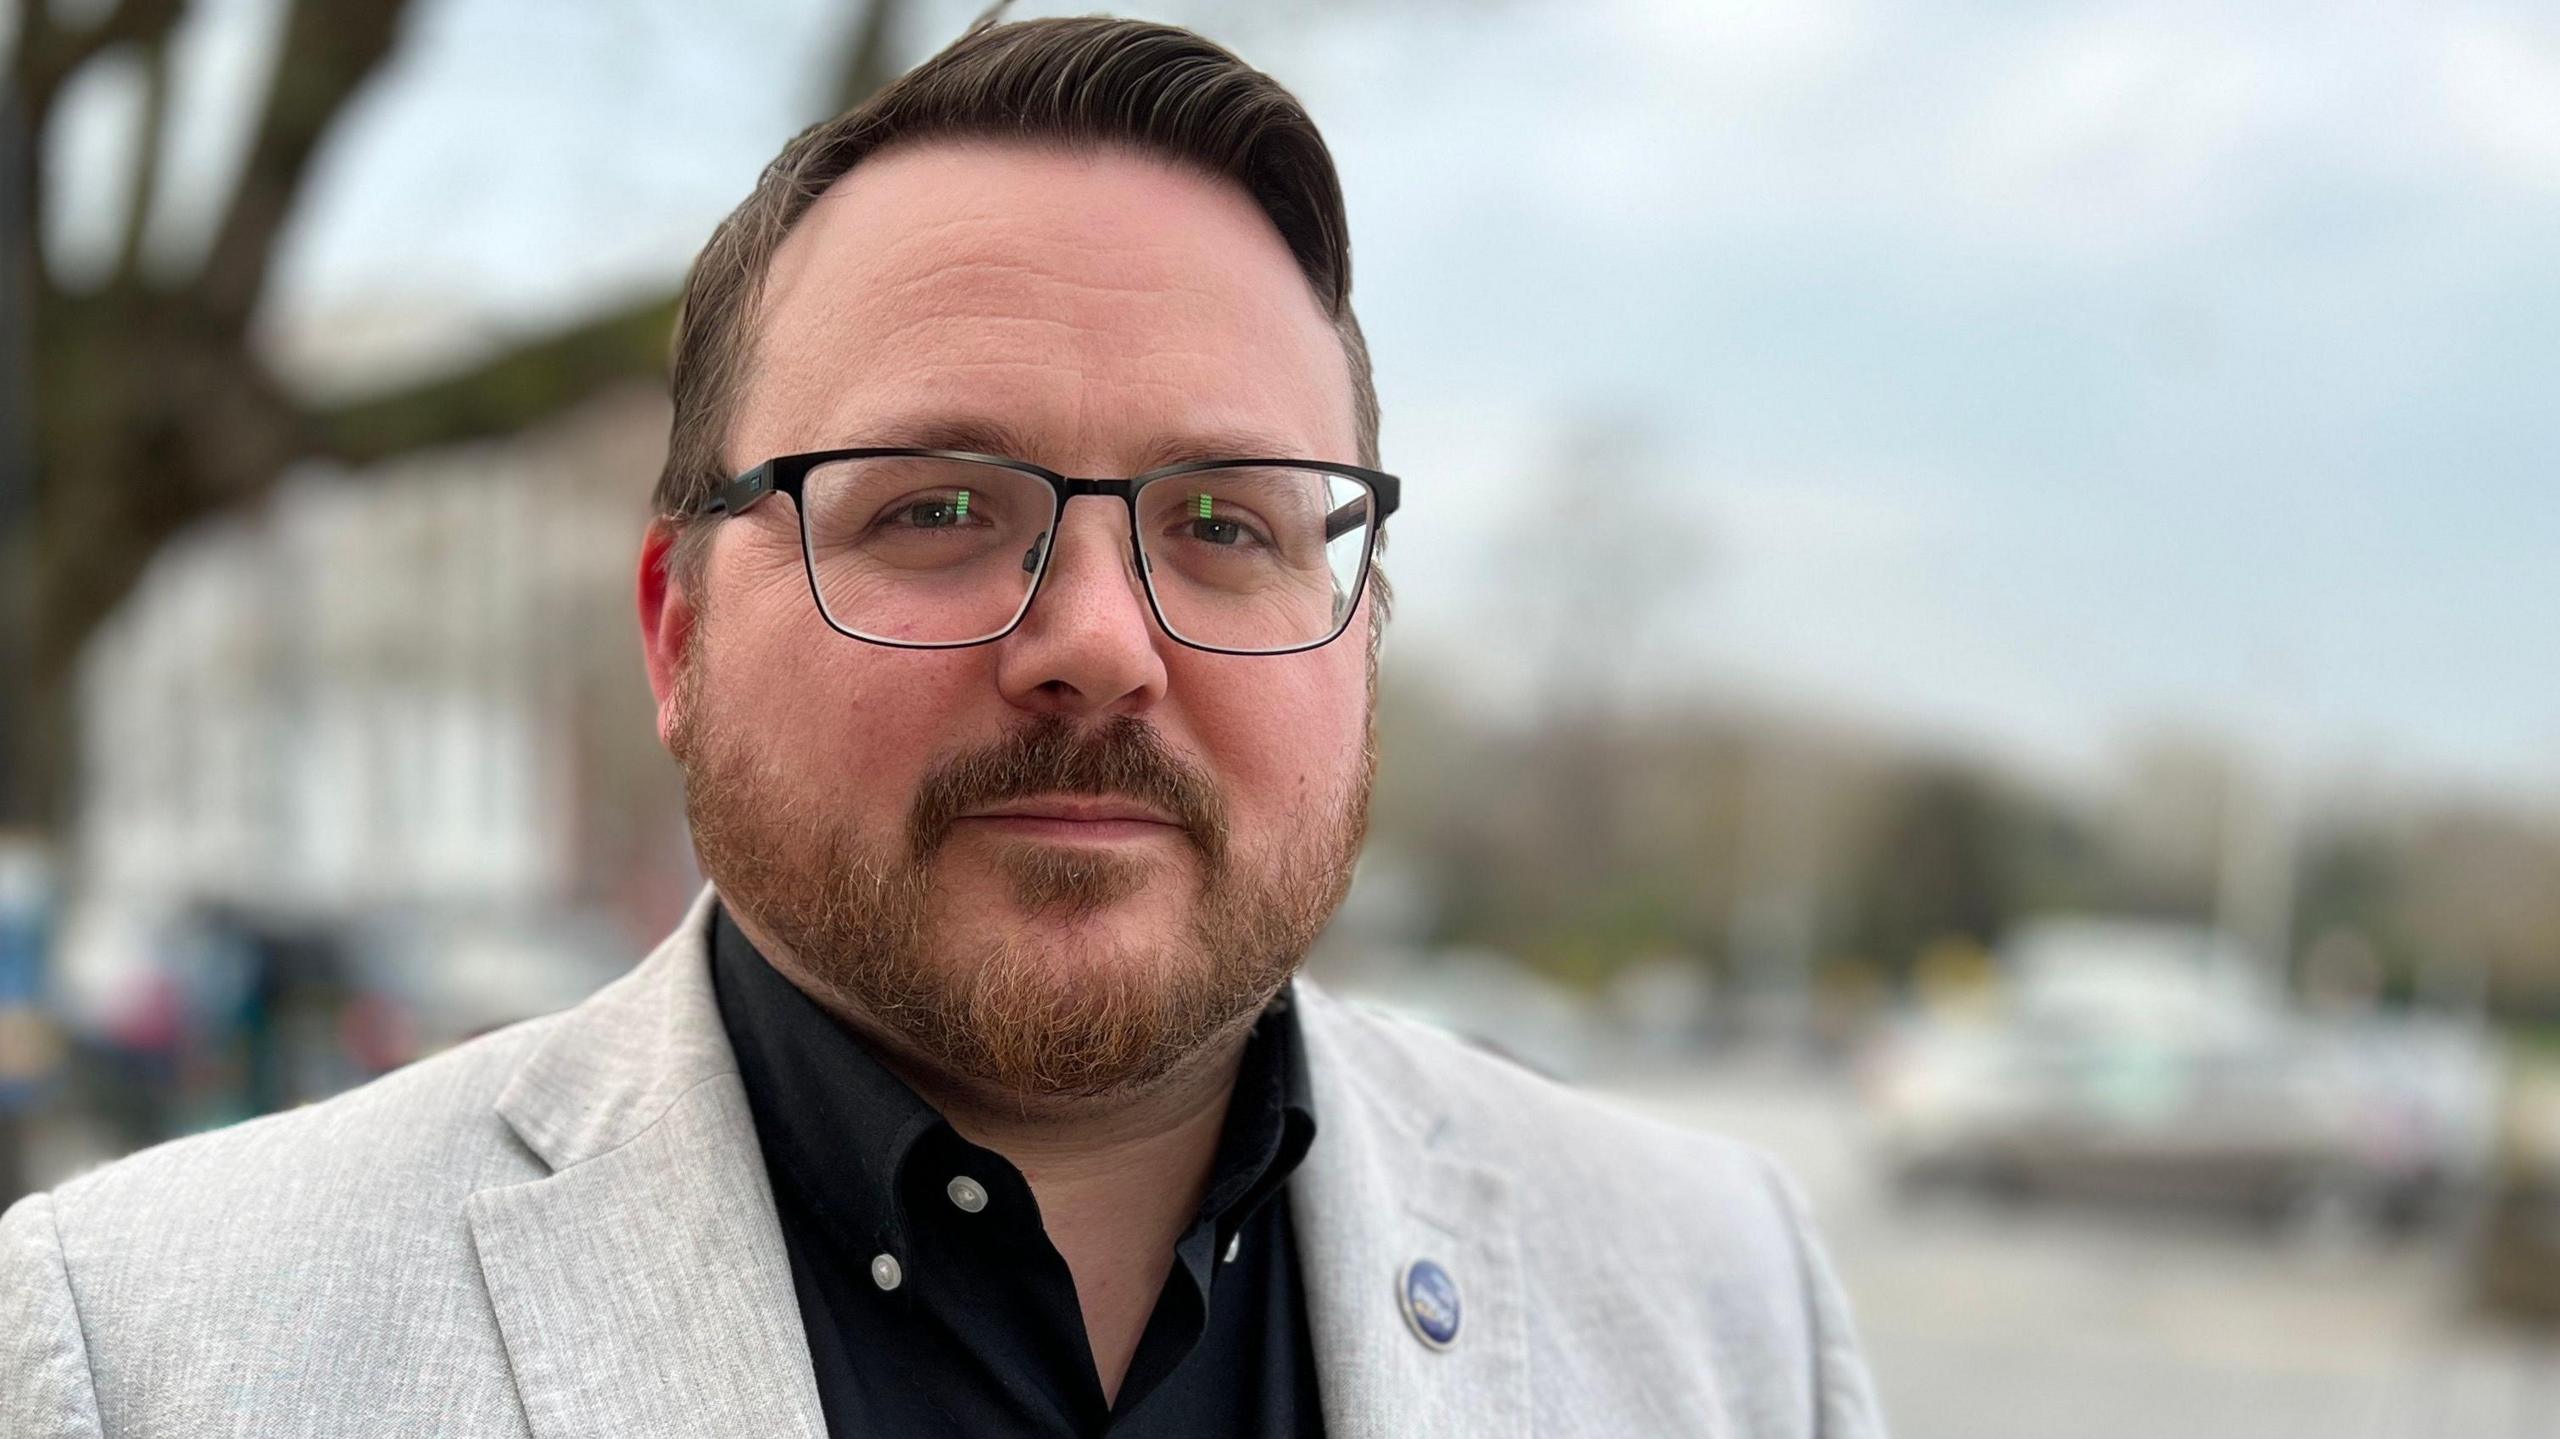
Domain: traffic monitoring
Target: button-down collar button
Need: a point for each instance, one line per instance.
(1234, 1242)
(885, 1271)
(966, 1193)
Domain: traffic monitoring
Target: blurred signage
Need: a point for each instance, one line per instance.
(30, 1048)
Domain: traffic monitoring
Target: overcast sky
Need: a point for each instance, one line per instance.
(2030, 376)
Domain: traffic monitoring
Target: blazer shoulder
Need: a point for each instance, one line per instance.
(426, 1132)
(1674, 1233)
(44, 1362)
(1468, 1099)
(277, 1265)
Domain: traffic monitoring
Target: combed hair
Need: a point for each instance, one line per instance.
(1091, 81)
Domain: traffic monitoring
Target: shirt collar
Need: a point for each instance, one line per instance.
(846, 1132)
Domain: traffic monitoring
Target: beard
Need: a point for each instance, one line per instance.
(1038, 1010)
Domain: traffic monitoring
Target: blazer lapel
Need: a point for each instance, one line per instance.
(1371, 1198)
(642, 1287)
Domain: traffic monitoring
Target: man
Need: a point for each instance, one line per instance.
(975, 1095)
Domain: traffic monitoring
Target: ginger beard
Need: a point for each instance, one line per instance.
(1018, 1012)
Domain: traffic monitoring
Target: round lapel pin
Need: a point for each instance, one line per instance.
(1429, 1298)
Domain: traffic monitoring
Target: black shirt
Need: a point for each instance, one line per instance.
(933, 1300)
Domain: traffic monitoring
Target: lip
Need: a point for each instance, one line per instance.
(1073, 810)
(1073, 831)
(1076, 819)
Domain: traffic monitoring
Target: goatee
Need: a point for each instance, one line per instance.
(1011, 1011)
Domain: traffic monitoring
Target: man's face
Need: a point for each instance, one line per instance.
(1111, 314)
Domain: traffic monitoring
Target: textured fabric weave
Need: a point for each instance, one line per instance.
(564, 1228)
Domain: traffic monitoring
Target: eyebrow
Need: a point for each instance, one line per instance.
(989, 436)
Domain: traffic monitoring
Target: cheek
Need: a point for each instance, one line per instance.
(1286, 733)
(854, 725)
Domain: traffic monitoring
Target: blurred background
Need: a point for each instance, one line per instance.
(1974, 607)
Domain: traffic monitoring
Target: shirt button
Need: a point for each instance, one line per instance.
(885, 1271)
(966, 1192)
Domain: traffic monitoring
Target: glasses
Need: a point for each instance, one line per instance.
(939, 549)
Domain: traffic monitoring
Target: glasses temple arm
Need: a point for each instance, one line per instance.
(1342, 521)
(741, 492)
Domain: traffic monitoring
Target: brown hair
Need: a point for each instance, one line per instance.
(1084, 81)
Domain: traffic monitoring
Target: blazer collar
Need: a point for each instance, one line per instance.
(642, 1287)
(615, 1064)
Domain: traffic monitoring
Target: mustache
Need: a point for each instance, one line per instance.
(1123, 758)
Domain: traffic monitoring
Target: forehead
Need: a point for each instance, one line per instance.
(1098, 304)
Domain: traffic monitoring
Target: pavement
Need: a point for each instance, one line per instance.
(1988, 1320)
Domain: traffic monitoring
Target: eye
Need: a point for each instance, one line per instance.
(1218, 532)
(931, 512)
(1217, 522)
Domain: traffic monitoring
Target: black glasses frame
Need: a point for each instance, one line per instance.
(784, 475)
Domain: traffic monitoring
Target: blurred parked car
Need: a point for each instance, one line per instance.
(2156, 1063)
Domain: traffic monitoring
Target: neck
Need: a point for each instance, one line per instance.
(1178, 1117)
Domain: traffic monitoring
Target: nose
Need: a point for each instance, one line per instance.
(1089, 646)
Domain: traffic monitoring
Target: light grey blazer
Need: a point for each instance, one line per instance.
(563, 1228)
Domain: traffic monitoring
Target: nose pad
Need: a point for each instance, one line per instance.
(1141, 569)
(1040, 548)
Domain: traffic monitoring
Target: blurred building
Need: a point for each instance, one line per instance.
(370, 767)
(418, 685)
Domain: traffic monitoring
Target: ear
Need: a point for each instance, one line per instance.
(666, 620)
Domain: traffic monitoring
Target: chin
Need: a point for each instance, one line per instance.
(1109, 1001)
(1084, 922)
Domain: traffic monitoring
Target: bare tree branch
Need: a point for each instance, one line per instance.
(47, 56)
(868, 64)
(142, 194)
(21, 249)
(330, 48)
(540, 377)
(505, 393)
